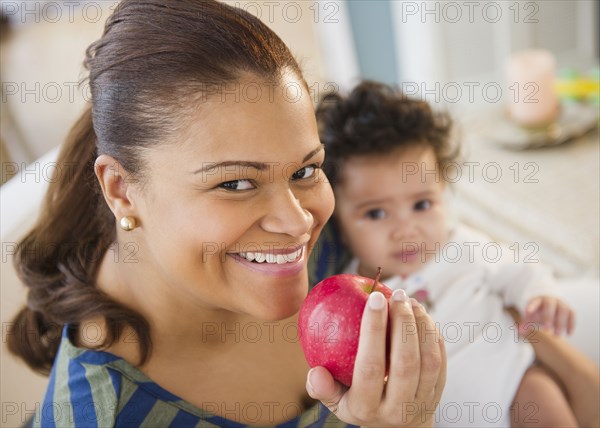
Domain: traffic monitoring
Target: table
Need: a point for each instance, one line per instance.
(544, 202)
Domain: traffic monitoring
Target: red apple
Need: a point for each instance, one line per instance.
(329, 322)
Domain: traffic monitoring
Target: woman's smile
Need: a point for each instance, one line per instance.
(274, 262)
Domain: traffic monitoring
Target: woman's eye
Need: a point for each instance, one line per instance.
(423, 205)
(237, 185)
(306, 172)
(376, 214)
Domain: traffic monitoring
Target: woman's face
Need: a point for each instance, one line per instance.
(243, 182)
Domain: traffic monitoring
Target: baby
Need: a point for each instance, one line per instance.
(385, 158)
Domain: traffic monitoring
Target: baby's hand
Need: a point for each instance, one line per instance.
(549, 312)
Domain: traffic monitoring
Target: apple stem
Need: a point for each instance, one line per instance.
(377, 276)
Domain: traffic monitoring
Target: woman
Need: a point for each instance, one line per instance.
(186, 226)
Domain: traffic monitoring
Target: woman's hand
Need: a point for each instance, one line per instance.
(549, 312)
(417, 370)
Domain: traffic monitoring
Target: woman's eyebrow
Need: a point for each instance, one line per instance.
(261, 166)
(211, 166)
(313, 152)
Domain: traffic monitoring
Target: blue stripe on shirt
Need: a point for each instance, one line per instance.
(115, 378)
(158, 391)
(136, 409)
(184, 419)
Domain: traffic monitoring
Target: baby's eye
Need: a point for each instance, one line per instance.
(423, 205)
(376, 214)
(306, 172)
(237, 185)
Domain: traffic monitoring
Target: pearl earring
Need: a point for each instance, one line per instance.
(128, 223)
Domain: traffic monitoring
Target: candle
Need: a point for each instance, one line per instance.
(532, 100)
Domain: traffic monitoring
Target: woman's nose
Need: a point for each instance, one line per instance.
(286, 215)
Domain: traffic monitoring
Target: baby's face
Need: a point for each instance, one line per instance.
(391, 210)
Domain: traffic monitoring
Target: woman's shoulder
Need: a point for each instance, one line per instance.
(82, 390)
(96, 388)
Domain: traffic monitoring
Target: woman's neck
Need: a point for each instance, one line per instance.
(176, 322)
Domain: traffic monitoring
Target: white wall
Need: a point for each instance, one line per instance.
(445, 41)
(41, 65)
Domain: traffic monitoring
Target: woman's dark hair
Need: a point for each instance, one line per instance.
(154, 63)
(376, 119)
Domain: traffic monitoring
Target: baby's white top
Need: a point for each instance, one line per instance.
(469, 284)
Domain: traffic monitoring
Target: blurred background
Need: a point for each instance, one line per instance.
(417, 44)
(533, 187)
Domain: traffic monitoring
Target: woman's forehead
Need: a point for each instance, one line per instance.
(274, 127)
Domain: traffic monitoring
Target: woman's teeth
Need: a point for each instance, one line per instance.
(271, 258)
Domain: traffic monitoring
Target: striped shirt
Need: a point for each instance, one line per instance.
(90, 388)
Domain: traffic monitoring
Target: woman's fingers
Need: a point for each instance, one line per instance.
(439, 388)
(405, 359)
(417, 372)
(369, 366)
(432, 358)
(322, 386)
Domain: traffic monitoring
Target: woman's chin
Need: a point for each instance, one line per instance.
(272, 299)
(282, 312)
(283, 307)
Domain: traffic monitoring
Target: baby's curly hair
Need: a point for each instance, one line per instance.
(376, 119)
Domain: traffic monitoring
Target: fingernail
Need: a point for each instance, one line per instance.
(312, 388)
(376, 301)
(399, 295)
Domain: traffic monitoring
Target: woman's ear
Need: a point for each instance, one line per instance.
(116, 185)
